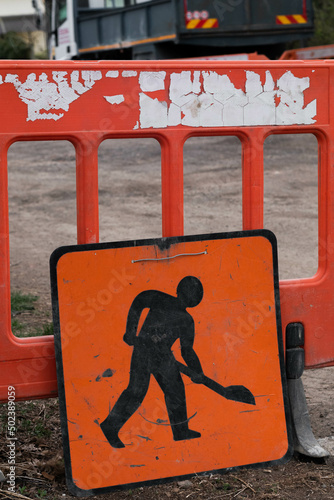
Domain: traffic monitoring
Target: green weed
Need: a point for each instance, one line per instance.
(41, 431)
(22, 301)
(41, 493)
(34, 429)
(17, 327)
(46, 329)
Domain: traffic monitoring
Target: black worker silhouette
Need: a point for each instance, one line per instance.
(166, 321)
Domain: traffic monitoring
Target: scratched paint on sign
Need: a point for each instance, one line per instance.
(192, 98)
(169, 358)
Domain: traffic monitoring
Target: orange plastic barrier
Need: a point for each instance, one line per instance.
(170, 101)
(318, 52)
(252, 56)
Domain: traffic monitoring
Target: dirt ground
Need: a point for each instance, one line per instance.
(43, 217)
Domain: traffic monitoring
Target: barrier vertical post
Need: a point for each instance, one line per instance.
(5, 319)
(172, 185)
(252, 180)
(87, 190)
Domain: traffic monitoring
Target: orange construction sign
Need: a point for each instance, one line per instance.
(169, 358)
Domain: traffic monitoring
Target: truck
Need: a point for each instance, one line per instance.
(169, 29)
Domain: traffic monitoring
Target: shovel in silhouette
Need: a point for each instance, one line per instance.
(238, 393)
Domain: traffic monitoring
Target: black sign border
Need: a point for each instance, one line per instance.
(163, 244)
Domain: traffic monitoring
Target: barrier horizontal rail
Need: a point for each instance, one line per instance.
(88, 102)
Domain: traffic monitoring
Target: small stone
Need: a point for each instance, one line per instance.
(185, 484)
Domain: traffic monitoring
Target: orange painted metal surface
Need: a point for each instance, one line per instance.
(171, 101)
(307, 53)
(129, 416)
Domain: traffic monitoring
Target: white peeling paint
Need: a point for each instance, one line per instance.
(291, 108)
(227, 101)
(129, 74)
(89, 78)
(114, 99)
(207, 99)
(174, 115)
(112, 74)
(261, 106)
(151, 81)
(44, 97)
(153, 112)
(183, 87)
(193, 98)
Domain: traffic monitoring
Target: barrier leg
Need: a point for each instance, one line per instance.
(304, 440)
